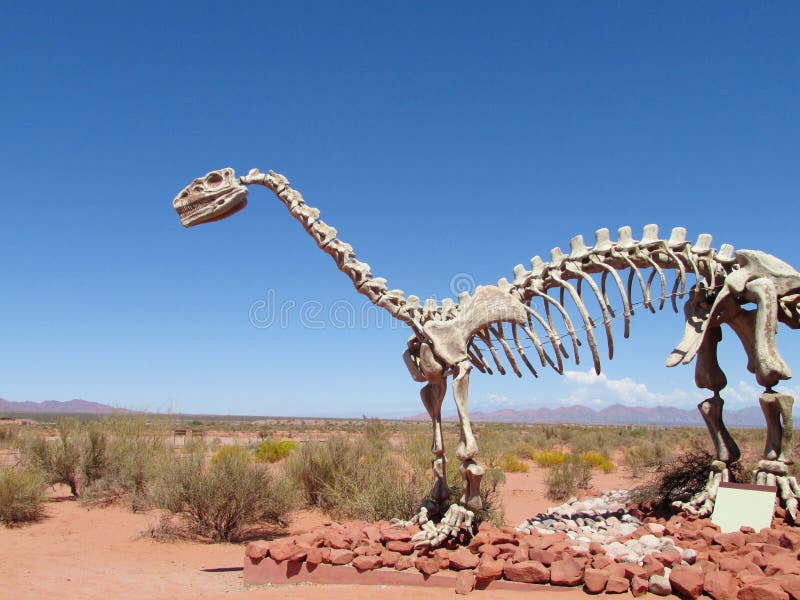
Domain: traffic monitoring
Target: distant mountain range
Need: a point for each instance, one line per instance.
(58, 407)
(616, 414)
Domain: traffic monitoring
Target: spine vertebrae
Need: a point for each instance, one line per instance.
(644, 260)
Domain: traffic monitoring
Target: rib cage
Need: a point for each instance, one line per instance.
(556, 294)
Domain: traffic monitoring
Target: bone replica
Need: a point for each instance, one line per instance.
(451, 338)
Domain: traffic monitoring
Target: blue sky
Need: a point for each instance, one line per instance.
(438, 138)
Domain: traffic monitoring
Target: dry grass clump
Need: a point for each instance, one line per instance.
(355, 479)
(222, 500)
(565, 477)
(21, 495)
(645, 456)
(58, 461)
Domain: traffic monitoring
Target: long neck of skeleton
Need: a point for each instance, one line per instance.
(374, 288)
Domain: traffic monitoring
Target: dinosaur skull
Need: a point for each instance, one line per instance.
(216, 196)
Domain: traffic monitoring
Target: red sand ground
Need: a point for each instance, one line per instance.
(87, 553)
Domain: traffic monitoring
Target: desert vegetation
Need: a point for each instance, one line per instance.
(226, 476)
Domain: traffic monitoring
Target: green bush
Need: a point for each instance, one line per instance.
(21, 495)
(274, 450)
(222, 500)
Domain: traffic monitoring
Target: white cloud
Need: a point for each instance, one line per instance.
(599, 390)
(499, 400)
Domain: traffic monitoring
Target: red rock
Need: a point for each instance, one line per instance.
(687, 582)
(257, 550)
(543, 556)
(733, 564)
(489, 569)
(403, 563)
(755, 557)
(596, 548)
(313, 556)
(506, 549)
(372, 533)
(566, 571)
(489, 550)
(790, 539)
(527, 572)
(335, 539)
(601, 561)
(465, 582)
(311, 539)
(463, 559)
(367, 563)
(521, 554)
(478, 540)
(428, 565)
(633, 570)
(389, 558)
(503, 536)
(617, 585)
(368, 550)
(782, 564)
(594, 580)
(721, 585)
(730, 541)
(652, 566)
(762, 590)
(396, 534)
(670, 558)
(546, 541)
(326, 554)
(401, 547)
(791, 585)
(638, 586)
(341, 556)
(281, 551)
(443, 556)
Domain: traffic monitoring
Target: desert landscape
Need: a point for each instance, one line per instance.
(121, 536)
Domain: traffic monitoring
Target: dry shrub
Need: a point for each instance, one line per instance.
(9, 434)
(21, 495)
(128, 452)
(59, 461)
(355, 479)
(220, 501)
(645, 456)
(680, 479)
(564, 478)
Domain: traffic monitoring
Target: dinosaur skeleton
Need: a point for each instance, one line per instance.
(451, 338)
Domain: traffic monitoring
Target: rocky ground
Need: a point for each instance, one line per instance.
(595, 544)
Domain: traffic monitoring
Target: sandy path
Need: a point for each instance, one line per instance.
(80, 553)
